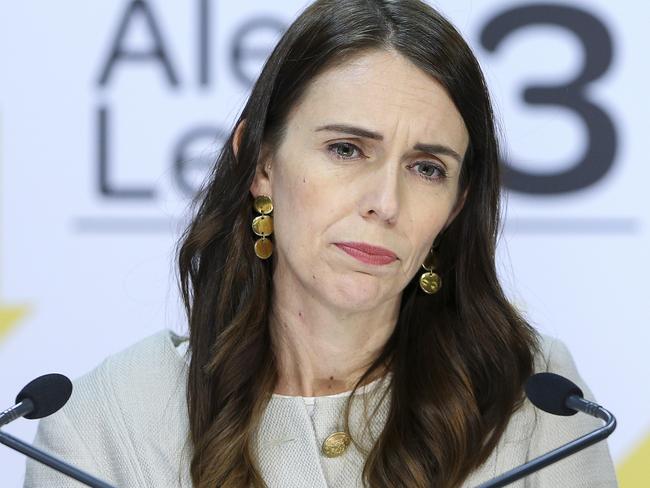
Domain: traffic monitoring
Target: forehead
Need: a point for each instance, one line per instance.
(384, 91)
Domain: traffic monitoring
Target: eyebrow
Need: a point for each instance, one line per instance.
(368, 134)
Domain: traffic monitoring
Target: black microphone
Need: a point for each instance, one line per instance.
(40, 398)
(557, 395)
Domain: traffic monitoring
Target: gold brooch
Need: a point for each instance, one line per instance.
(335, 444)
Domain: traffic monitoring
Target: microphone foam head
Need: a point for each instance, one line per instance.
(549, 391)
(48, 393)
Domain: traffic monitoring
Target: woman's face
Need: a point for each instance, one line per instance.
(371, 156)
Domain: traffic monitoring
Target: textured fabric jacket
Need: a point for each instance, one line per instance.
(127, 424)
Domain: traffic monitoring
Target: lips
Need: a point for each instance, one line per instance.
(367, 253)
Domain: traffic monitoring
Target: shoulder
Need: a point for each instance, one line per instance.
(550, 355)
(137, 383)
(152, 361)
(543, 432)
(553, 356)
(127, 412)
(144, 372)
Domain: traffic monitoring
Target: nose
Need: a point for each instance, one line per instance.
(381, 194)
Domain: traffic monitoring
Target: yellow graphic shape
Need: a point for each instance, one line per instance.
(9, 317)
(9, 314)
(634, 471)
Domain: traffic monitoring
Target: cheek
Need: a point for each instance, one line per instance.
(425, 225)
(299, 212)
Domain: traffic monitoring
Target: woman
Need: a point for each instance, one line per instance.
(346, 324)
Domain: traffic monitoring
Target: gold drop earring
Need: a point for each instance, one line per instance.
(430, 282)
(263, 226)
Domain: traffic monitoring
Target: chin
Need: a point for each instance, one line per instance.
(358, 295)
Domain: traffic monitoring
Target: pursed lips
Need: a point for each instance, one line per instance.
(367, 253)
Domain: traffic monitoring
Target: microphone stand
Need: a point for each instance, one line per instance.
(51, 461)
(23, 408)
(576, 403)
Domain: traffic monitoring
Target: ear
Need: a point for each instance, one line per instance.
(262, 180)
(460, 203)
(261, 184)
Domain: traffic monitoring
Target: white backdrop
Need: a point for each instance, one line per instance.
(98, 158)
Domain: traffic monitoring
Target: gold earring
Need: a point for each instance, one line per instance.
(263, 226)
(430, 282)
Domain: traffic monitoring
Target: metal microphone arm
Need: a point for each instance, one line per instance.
(19, 410)
(51, 461)
(577, 403)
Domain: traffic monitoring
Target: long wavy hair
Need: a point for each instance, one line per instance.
(458, 359)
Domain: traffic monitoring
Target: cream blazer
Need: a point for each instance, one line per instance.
(127, 424)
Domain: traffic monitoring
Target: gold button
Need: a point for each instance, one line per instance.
(335, 444)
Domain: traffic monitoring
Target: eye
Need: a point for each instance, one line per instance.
(430, 171)
(343, 150)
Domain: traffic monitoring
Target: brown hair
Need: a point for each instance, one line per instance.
(458, 359)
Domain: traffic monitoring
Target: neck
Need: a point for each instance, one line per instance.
(321, 350)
